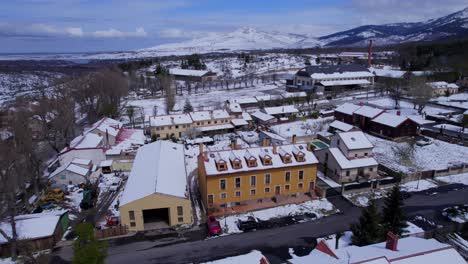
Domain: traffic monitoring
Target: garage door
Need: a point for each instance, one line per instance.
(156, 218)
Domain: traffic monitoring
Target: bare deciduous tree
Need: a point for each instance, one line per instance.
(167, 85)
(420, 91)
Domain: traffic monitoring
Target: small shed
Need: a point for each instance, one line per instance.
(70, 174)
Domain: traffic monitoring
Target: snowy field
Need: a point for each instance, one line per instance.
(457, 178)
(302, 128)
(320, 207)
(409, 157)
(416, 186)
(206, 100)
(457, 100)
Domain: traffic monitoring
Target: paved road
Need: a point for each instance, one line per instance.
(278, 240)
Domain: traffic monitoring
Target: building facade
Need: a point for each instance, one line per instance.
(243, 176)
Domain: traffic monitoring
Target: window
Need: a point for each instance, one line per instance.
(131, 215)
(300, 185)
(326, 156)
(267, 189)
(132, 224)
(216, 121)
(176, 127)
(287, 176)
(238, 193)
(253, 180)
(371, 169)
(238, 182)
(267, 178)
(180, 219)
(209, 122)
(287, 187)
(252, 192)
(222, 184)
(301, 175)
(365, 154)
(210, 199)
(223, 195)
(180, 211)
(198, 123)
(347, 173)
(338, 142)
(355, 155)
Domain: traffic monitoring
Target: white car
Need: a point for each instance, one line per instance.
(115, 184)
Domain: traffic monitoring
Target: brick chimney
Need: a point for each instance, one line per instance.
(392, 241)
(233, 144)
(275, 149)
(294, 140)
(205, 156)
(398, 113)
(266, 142)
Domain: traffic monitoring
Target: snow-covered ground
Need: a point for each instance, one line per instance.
(303, 128)
(320, 207)
(407, 108)
(409, 157)
(203, 100)
(457, 178)
(413, 229)
(456, 100)
(362, 199)
(457, 213)
(416, 186)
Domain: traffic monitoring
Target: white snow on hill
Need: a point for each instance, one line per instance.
(245, 38)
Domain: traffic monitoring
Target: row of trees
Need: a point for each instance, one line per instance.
(373, 227)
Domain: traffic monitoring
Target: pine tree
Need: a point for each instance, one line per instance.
(86, 248)
(368, 230)
(393, 218)
(188, 107)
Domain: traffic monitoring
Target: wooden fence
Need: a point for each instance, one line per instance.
(110, 232)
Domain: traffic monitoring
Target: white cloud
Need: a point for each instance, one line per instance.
(75, 31)
(114, 33)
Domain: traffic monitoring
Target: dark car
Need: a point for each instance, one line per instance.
(251, 223)
(214, 228)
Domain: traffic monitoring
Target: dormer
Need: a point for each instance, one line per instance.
(236, 162)
(285, 156)
(221, 164)
(250, 159)
(265, 157)
(298, 153)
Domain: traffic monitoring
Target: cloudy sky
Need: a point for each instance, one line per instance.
(117, 25)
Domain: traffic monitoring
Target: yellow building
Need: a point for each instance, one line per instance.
(156, 193)
(237, 177)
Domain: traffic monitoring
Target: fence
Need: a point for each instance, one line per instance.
(110, 232)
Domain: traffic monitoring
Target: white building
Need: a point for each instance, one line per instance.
(443, 88)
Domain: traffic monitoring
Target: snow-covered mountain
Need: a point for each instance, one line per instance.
(245, 38)
(450, 26)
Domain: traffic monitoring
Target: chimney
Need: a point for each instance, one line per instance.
(398, 113)
(369, 54)
(233, 144)
(294, 139)
(392, 241)
(205, 156)
(265, 142)
(200, 148)
(275, 150)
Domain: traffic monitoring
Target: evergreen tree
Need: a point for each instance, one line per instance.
(393, 218)
(188, 107)
(88, 250)
(317, 60)
(368, 230)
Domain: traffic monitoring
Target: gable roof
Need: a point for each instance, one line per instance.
(345, 163)
(390, 120)
(286, 109)
(368, 111)
(184, 72)
(341, 126)
(262, 116)
(158, 167)
(347, 108)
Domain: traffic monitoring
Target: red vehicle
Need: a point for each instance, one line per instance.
(214, 228)
(112, 220)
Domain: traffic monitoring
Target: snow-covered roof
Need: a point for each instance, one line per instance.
(200, 116)
(33, 226)
(368, 111)
(252, 257)
(77, 169)
(355, 140)
(89, 140)
(158, 167)
(278, 110)
(84, 162)
(338, 75)
(344, 82)
(341, 126)
(347, 108)
(345, 163)
(106, 163)
(262, 116)
(294, 95)
(113, 151)
(168, 120)
(199, 140)
(107, 125)
(239, 122)
(220, 114)
(265, 97)
(442, 85)
(235, 108)
(390, 119)
(246, 116)
(215, 127)
(244, 100)
(211, 169)
(273, 136)
(183, 72)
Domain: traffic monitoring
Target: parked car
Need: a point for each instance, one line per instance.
(424, 141)
(115, 184)
(251, 223)
(214, 228)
